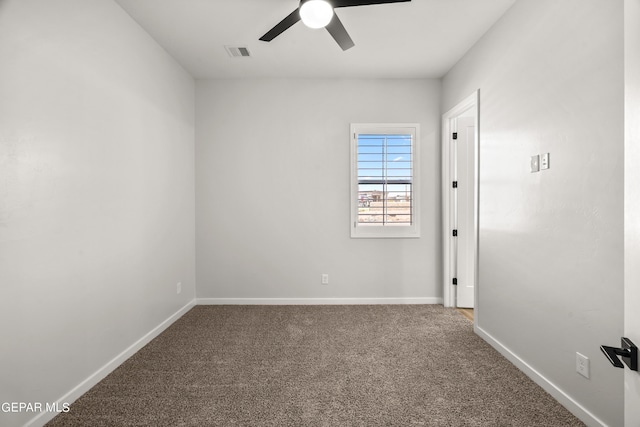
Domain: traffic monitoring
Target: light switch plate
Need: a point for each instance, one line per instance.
(535, 163)
(544, 161)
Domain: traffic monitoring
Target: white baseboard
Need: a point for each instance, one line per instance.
(315, 301)
(43, 417)
(564, 399)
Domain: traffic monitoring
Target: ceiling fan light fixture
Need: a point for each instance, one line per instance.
(316, 13)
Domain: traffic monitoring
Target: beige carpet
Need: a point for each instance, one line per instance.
(317, 366)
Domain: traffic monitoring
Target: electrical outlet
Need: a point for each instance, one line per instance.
(179, 287)
(325, 279)
(582, 365)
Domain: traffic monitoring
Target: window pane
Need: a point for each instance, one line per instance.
(370, 149)
(370, 157)
(399, 149)
(399, 140)
(399, 191)
(371, 175)
(399, 165)
(399, 176)
(385, 173)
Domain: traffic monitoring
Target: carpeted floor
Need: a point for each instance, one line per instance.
(398, 365)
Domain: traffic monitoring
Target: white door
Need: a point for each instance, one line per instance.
(632, 203)
(460, 205)
(632, 331)
(631, 256)
(464, 216)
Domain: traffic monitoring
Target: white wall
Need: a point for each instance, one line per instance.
(551, 243)
(96, 192)
(272, 190)
(632, 201)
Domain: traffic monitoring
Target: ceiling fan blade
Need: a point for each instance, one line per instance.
(281, 26)
(339, 33)
(349, 3)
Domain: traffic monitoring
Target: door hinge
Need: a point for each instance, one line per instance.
(455, 184)
(455, 281)
(455, 135)
(455, 233)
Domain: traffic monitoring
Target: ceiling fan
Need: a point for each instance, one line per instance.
(319, 14)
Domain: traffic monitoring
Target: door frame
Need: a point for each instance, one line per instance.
(472, 102)
(631, 203)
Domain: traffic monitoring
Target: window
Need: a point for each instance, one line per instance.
(384, 180)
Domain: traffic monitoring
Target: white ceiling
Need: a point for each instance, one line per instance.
(421, 38)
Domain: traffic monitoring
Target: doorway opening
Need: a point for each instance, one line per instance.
(460, 142)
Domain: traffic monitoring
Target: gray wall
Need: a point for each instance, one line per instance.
(96, 192)
(272, 190)
(551, 243)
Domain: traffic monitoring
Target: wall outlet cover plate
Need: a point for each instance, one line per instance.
(582, 365)
(535, 163)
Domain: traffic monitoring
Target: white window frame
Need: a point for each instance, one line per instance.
(387, 230)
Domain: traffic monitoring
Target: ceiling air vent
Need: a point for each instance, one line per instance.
(237, 51)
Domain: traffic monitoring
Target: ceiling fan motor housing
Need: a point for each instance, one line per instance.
(315, 13)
